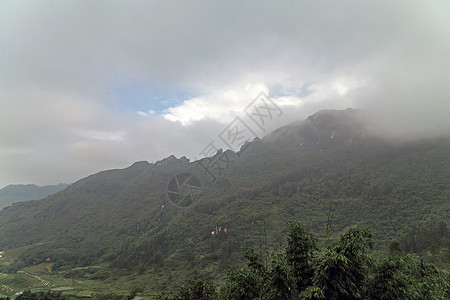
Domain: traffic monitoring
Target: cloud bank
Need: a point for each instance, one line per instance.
(86, 86)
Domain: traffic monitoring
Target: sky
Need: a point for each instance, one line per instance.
(92, 85)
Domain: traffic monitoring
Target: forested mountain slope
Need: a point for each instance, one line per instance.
(328, 172)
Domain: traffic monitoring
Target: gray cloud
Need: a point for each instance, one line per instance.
(63, 61)
(74, 43)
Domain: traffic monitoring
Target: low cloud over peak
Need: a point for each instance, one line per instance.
(87, 86)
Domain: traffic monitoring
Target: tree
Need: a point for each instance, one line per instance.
(197, 289)
(241, 284)
(193, 289)
(49, 295)
(394, 278)
(405, 277)
(340, 272)
(300, 251)
(344, 271)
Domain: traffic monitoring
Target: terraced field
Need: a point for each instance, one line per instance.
(42, 277)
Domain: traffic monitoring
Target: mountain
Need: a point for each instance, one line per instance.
(175, 218)
(25, 192)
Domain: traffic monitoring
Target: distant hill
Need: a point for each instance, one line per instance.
(25, 192)
(172, 219)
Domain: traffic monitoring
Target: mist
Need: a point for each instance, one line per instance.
(88, 86)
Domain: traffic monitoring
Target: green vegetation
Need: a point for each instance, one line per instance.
(49, 295)
(345, 270)
(116, 231)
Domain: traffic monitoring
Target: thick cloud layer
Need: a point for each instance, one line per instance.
(92, 85)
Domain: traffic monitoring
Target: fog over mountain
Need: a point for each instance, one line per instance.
(87, 86)
(155, 225)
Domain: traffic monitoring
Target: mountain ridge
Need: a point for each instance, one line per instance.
(25, 192)
(125, 218)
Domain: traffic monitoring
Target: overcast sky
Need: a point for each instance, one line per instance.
(93, 85)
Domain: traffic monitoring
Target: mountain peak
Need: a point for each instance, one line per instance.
(323, 127)
(172, 159)
(140, 163)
